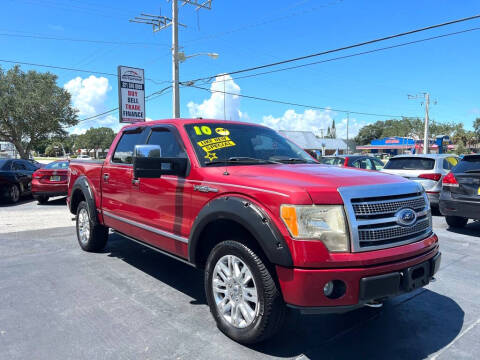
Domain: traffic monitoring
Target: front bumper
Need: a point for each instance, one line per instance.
(303, 288)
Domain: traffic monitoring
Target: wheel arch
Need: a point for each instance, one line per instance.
(231, 214)
(81, 191)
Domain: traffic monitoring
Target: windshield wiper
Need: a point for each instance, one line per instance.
(242, 159)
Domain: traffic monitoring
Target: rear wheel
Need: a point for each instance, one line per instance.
(91, 236)
(41, 199)
(13, 193)
(242, 294)
(456, 221)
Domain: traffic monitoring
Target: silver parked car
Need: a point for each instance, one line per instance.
(426, 169)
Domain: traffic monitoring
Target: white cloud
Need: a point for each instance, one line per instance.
(213, 107)
(88, 95)
(313, 120)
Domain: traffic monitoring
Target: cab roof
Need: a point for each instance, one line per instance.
(187, 121)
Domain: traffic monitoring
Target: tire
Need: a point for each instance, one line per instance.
(248, 322)
(92, 237)
(13, 193)
(456, 221)
(41, 199)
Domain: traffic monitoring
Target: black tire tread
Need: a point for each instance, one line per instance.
(456, 221)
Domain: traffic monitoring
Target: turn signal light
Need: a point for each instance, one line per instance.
(449, 180)
(434, 177)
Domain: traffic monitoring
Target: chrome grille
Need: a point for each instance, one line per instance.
(387, 207)
(371, 214)
(392, 232)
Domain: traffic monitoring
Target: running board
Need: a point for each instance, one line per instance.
(154, 248)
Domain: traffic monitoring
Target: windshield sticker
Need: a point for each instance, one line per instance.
(222, 131)
(212, 144)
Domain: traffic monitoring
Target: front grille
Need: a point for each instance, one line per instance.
(372, 215)
(388, 207)
(391, 233)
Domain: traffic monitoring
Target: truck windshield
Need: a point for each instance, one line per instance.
(240, 144)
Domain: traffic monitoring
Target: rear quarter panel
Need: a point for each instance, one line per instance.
(92, 171)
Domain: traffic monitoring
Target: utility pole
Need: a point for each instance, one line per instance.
(158, 23)
(348, 120)
(426, 139)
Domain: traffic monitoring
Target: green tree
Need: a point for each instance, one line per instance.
(476, 129)
(95, 138)
(32, 109)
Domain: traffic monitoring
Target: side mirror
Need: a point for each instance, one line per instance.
(148, 163)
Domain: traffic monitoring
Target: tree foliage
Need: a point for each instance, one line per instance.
(95, 138)
(32, 109)
(406, 127)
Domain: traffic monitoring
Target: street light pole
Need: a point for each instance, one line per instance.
(176, 90)
(426, 141)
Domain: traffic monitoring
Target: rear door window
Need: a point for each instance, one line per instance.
(363, 164)
(124, 151)
(468, 164)
(410, 163)
(333, 161)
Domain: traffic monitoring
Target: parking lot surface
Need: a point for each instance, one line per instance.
(129, 302)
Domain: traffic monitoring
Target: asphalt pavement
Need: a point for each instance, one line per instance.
(129, 302)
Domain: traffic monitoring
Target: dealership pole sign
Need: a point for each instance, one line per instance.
(131, 94)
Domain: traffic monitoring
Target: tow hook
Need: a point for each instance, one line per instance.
(374, 304)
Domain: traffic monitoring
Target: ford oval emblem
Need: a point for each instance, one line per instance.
(406, 217)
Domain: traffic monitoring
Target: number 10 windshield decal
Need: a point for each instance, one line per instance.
(216, 143)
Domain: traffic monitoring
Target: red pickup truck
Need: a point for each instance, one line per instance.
(270, 226)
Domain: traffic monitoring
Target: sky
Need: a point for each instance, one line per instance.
(97, 36)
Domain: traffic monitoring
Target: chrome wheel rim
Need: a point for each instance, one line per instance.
(83, 226)
(235, 291)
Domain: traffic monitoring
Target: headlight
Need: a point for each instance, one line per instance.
(319, 222)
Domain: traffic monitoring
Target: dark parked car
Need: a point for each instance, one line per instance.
(460, 195)
(15, 178)
(356, 161)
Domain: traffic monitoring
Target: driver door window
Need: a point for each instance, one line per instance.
(169, 145)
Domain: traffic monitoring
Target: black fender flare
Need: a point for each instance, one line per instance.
(82, 184)
(252, 218)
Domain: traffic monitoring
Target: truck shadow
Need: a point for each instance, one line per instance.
(410, 327)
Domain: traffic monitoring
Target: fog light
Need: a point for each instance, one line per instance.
(328, 289)
(334, 289)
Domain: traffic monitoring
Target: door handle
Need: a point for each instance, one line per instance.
(135, 181)
(105, 177)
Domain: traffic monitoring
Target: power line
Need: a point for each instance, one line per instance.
(73, 69)
(149, 97)
(348, 56)
(345, 47)
(295, 104)
(110, 42)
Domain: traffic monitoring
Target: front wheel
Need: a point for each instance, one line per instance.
(91, 236)
(456, 221)
(242, 294)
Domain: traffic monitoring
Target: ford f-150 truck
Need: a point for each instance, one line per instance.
(269, 225)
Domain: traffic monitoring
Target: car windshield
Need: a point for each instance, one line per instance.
(332, 161)
(3, 164)
(410, 163)
(57, 165)
(469, 163)
(237, 144)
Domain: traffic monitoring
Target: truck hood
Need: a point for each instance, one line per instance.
(319, 181)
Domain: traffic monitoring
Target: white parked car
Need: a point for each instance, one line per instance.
(83, 157)
(426, 169)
